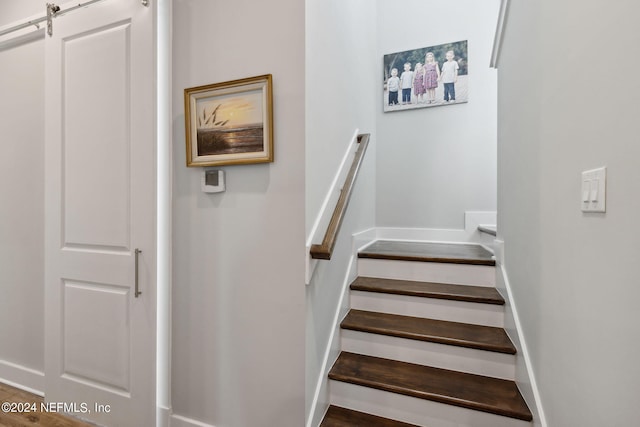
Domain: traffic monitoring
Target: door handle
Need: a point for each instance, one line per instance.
(137, 292)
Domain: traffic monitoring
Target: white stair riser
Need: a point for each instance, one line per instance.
(424, 413)
(437, 355)
(432, 308)
(460, 274)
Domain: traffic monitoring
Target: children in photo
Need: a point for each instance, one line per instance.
(431, 77)
(406, 81)
(449, 77)
(419, 88)
(393, 85)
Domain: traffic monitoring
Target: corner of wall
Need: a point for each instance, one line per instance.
(525, 376)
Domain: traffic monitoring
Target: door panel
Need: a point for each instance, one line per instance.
(96, 125)
(100, 208)
(96, 316)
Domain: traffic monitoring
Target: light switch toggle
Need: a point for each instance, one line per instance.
(586, 191)
(594, 184)
(594, 191)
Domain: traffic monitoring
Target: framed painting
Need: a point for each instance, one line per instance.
(230, 123)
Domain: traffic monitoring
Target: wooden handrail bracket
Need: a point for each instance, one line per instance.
(325, 249)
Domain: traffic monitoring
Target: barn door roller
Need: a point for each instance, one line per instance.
(52, 9)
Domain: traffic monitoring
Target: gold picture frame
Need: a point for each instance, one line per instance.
(230, 123)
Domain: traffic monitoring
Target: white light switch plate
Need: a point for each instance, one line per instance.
(593, 191)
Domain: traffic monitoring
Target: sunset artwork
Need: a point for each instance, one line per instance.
(230, 123)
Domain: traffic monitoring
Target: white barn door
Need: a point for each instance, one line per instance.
(100, 210)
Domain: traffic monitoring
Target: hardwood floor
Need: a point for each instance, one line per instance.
(480, 294)
(342, 417)
(439, 331)
(493, 395)
(16, 398)
(455, 253)
(403, 340)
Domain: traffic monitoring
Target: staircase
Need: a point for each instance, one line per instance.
(424, 344)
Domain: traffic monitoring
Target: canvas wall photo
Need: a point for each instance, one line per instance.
(426, 77)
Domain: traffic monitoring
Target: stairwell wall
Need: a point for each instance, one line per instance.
(436, 163)
(340, 101)
(238, 256)
(22, 200)
(573, 275)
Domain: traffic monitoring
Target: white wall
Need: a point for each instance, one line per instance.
(574, 276)
(16, 12)
(436, 163)
(340, 48)
(340, 99)
(22, 200)
(238, 257)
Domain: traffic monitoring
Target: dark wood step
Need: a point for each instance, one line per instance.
(439, 331)
(456, 253)
(481, 393)
(481, 294)
(342, 417)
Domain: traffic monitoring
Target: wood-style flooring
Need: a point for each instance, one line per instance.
(481, 393)
(438, 331)
(456, 253)
(480, 294)
(342, 417)
(30, 419)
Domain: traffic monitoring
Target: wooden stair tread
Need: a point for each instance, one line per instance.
(481, 294)
(487, 394)
(439, 331)
(457, 253)
(342, 417)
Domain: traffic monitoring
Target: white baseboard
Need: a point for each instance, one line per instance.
(469, 234)
(180, 421)
(21, 377)
(525, 377)
(364, 238)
